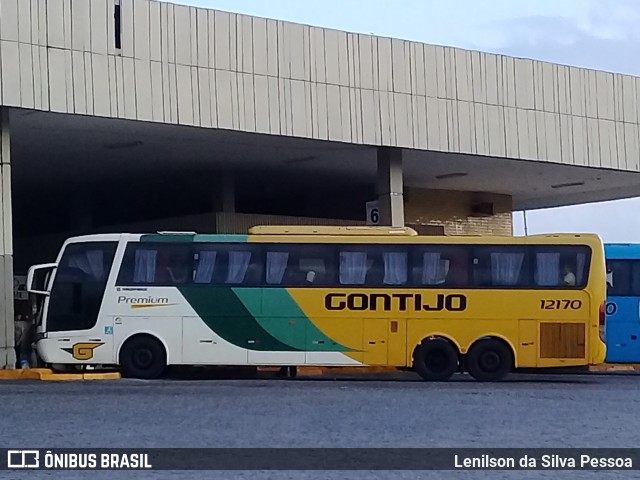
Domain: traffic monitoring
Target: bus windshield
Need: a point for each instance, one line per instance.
(79, 285)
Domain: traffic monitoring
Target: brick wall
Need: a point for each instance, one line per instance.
(453, 211)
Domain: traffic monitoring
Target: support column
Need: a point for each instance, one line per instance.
(390, 187)
(7, 352)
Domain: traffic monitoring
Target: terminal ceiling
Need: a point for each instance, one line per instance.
(55, 150)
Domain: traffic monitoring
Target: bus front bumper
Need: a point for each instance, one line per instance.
(50, 351)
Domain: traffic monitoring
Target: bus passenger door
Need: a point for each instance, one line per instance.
(397, 343)
(527, 348)
(375, 341)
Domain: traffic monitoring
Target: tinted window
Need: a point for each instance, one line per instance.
(293, 265)
(562, 266)
(635, 278)
(299, 265)
(229, 264)
(156, 264)
(78, 287)
(442, 265)
(179, 264)
(501, 266)
(623, 277)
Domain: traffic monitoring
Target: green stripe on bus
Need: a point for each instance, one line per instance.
(190, 238)
(224, 313)
(289, 325)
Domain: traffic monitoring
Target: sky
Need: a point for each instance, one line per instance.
(598, 34)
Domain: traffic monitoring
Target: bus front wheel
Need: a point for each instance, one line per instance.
(143, 357)
(489, 360)
(435, 360)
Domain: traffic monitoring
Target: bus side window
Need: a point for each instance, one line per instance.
(255, 271)
(547, 269)
(440, 265)
(560, 266)
(619, 277)
(314, 265)
(205, 266)
(156, 264)
(455, 267)
(375, 268)
(243, 267)
(353, 266)
(501, 265)
(298, 265)
(635, 278)
(395, 267)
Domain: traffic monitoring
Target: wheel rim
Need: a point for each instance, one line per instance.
(436, 361)
(143, 358)
(490, 361)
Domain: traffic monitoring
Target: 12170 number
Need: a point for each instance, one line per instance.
(560, 304)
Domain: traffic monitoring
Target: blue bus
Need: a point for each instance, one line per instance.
(623, 303)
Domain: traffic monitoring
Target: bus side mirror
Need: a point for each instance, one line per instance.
(38, 278)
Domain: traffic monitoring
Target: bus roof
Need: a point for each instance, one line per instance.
(622, 251)
(330, 231)
(335, 234)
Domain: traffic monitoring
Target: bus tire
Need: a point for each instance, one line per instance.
(435, 360)
(489, 360)
(143, 356)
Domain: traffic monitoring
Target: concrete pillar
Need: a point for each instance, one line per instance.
(390, 187)
(7, 352)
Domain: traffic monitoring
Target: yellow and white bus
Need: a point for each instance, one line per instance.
(329, 296)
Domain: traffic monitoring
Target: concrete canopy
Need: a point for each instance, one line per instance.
(274, 95)
(54, 151)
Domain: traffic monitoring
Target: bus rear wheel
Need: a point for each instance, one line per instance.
(435, 360)
(489, 360)
(143, 357)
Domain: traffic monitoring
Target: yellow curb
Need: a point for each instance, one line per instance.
(102, 376)
(63, 377)
(48, 375)
(26, 374)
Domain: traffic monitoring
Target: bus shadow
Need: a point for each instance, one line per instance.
(252, 373)
(463, 380)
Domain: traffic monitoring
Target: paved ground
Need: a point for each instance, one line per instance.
(526, 411)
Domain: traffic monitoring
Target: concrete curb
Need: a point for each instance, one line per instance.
(615, 367)
(46, 374)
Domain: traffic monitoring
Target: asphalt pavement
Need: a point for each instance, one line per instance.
(525, 411)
